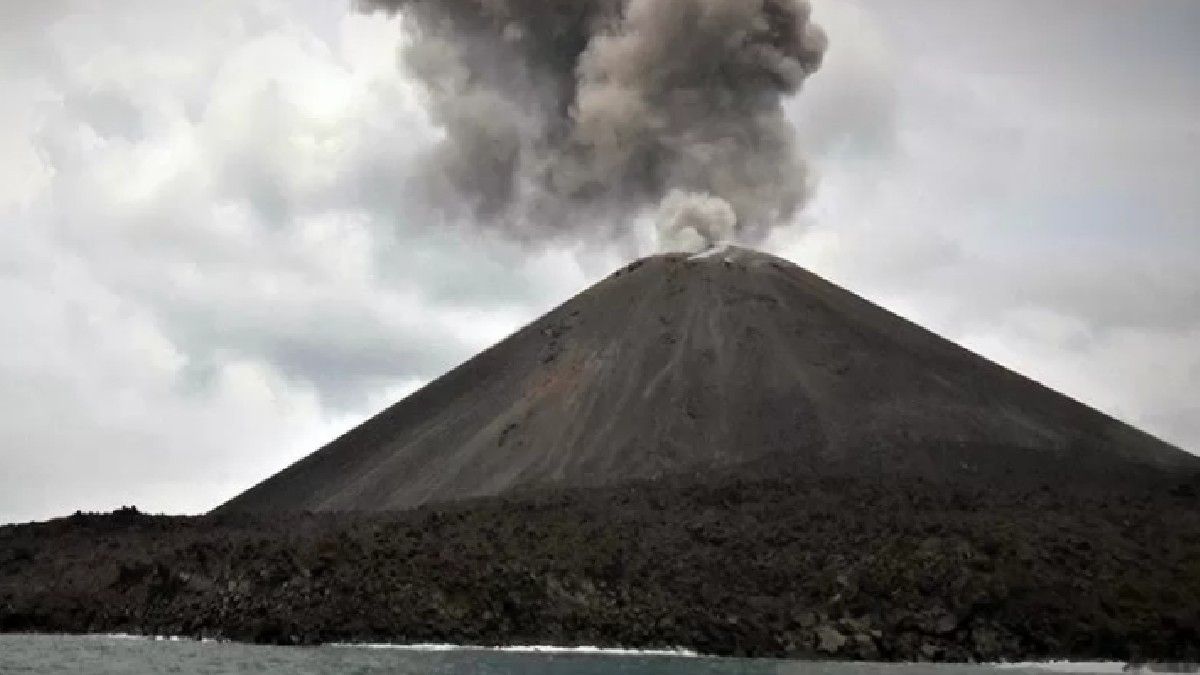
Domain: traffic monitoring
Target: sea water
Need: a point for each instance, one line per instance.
(104, 655)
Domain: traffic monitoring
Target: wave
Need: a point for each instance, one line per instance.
(522, 649)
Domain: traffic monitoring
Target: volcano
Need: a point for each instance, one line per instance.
(733, 362)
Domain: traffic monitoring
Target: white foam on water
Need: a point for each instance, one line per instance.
(434, 647)
(1069, 666)
(1089, 667)
(152, 638)
(521, 649)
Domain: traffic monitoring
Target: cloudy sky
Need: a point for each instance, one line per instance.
(207, 269)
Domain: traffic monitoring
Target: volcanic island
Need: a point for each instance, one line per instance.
(723, 453)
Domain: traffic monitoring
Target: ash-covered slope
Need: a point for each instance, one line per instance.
(737, 361)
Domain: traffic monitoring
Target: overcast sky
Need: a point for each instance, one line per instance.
(207, 269)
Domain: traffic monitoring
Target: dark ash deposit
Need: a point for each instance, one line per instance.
(676, 365)
(801, 566)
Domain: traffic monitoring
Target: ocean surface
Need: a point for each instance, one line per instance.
(104, 655)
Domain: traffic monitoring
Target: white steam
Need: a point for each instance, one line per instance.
(692, 222)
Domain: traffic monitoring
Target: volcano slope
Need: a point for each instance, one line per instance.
(736, 360)
(727, 454)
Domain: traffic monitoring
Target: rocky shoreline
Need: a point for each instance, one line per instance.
(801, 567)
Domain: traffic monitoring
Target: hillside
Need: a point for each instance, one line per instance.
(737, 360)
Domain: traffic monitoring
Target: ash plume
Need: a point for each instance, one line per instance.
(580, 117)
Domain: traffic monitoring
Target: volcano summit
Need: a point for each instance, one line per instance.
(732, 360)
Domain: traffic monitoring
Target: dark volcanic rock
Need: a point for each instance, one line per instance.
(674, 365)
(792, 565)
(829, 640)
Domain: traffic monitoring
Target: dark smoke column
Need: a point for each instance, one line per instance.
(578, 117)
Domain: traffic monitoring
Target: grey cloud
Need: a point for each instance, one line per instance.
(339, 349)
(849, 108)
(205, 289)
(109, 113)
(1019, 179)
